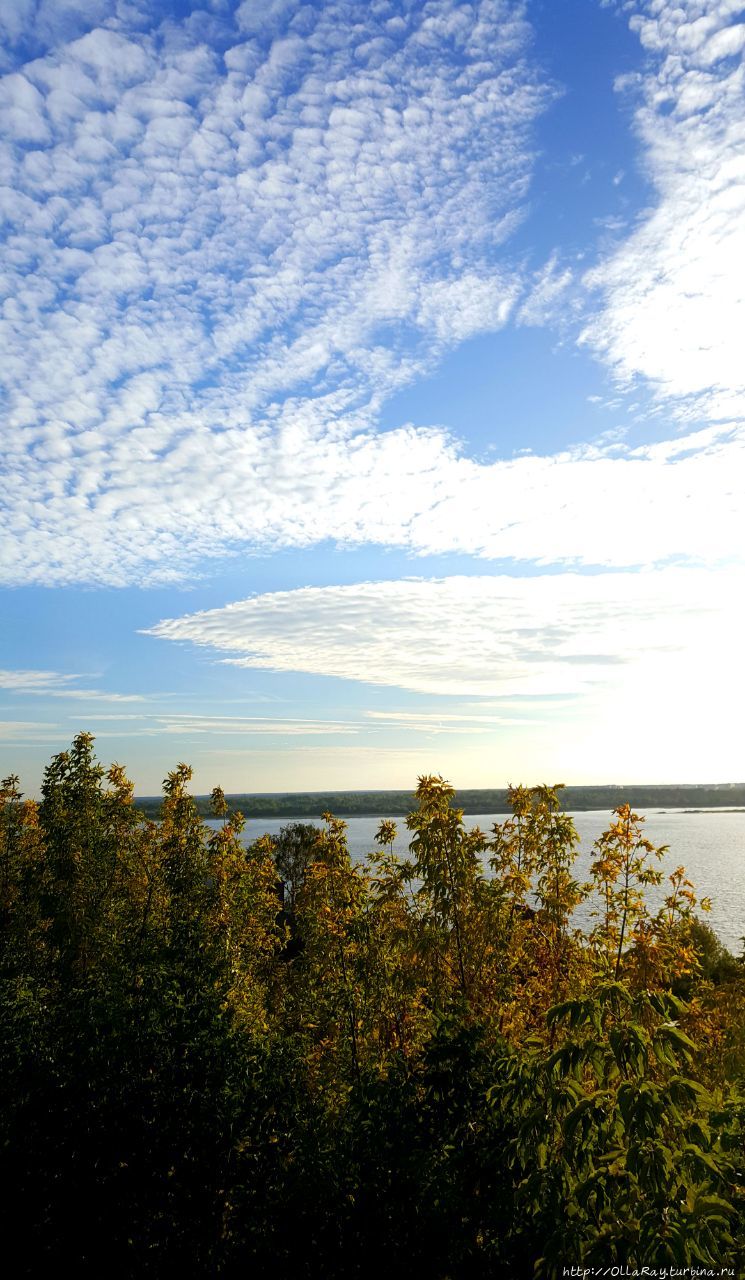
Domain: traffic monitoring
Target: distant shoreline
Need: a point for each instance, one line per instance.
(711, 809)
(693, 798)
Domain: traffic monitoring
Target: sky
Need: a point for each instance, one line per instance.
(373, 390)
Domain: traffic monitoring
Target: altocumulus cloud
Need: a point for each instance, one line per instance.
(231, 235)
(487, 636)
(229, 238)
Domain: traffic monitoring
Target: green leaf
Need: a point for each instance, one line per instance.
(703, 1158)
(711, 1206)
(678, 1037)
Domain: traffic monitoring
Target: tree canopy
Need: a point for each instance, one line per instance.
(220, 1058)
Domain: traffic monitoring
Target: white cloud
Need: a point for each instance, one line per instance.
(486, 636)
(439, 723)
(53, 684)
(218, 267)
(457, 309)
(605, 677)
(33, 681)
(90, 695)
(296, 486)
(192, 238)
(186, 725)
(548, 285)
(675, 290)
(28, 731)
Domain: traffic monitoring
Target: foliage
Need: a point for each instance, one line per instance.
(619, 1151)
(218, 1059)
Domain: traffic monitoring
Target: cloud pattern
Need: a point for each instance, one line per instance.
(231, 235)
(495, 636)
(227, 240)
(675, 290)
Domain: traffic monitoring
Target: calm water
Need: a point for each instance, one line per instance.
(709, 844)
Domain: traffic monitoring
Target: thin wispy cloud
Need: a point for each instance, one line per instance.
(185, 725)
(28, 731)
(437, 723)
(34, 681)
(53, 684)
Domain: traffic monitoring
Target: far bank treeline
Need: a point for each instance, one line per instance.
(396, 804)
(219, 1060)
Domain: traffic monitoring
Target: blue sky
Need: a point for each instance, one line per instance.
(373, 389)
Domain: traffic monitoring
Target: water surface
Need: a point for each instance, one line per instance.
(709, 843)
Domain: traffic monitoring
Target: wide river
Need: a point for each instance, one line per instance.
(709, 843)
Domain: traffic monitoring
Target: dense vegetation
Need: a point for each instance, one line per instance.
(350, 804)
(274, 1062)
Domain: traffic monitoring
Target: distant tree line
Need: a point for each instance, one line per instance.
(396, 804)
(276, 1062)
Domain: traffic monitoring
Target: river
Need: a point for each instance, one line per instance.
(709, 843)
